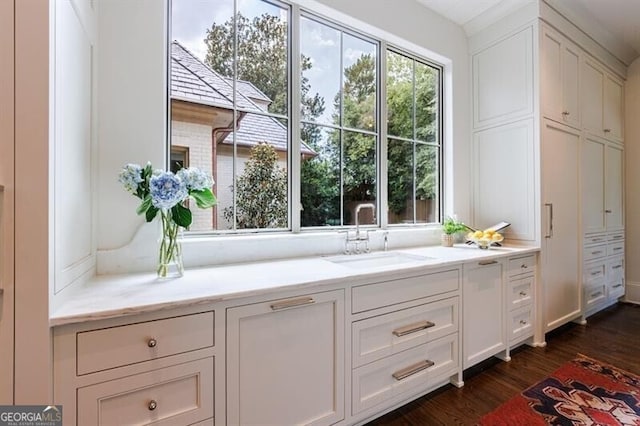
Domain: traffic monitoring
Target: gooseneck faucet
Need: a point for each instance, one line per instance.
(358, 208)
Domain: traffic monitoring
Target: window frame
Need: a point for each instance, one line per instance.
(314, 11)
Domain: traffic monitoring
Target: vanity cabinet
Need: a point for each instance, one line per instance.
(484, 326)
(285, 361)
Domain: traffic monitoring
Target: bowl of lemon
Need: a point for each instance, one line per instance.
(485, 239)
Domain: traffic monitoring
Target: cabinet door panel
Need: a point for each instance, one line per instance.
(592, 97)
(570, 88)
(613, 108)
(551, 75)
(483, 307)
(560, 269)
(593, 216)
(614, 188)
(285, 365)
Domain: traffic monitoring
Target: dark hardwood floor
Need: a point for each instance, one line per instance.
(611, 336)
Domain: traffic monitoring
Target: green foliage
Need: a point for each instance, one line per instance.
(451, 226)
(261, 191)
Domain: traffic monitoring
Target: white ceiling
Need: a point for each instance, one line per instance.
(618, 19)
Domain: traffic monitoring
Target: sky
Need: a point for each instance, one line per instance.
(192, 18)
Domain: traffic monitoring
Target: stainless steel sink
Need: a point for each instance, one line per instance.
(374, 260)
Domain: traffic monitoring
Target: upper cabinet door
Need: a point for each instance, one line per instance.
(503, 80)
(613, 108)
(592, 97)
(560, 61)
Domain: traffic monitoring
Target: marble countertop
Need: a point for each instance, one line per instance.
(111, 296)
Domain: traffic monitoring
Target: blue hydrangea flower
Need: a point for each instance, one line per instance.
(167, 190)
(195, 178)
(130, 176)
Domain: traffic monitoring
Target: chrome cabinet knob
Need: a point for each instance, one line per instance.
(152, 405)
(152, 343)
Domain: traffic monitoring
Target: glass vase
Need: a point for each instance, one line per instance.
(170, 251)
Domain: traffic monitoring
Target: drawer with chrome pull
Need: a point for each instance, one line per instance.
(521, 265)
(521, 292)
(616, 289)
(594, 295)
(384, 335)
(619, 236)
(595, 239)
(593, 272)
(180, 394)
(615, 269)
(521, 323)
(594, 252)
(411, 370)
(113, 347)
(615, 248)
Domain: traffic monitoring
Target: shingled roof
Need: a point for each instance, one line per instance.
(193, 81)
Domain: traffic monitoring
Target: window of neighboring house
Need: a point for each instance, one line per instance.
(179, 158)
(231, 96)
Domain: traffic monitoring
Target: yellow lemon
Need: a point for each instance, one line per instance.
(477, 234)
(486, 235)
(490, 231)
(497, 237)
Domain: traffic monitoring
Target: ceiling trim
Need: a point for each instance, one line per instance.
(493, 15)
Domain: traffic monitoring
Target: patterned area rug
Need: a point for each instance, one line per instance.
(583, 392)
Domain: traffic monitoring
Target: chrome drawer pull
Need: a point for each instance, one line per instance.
(607, 211)
(403, 331)
(292, 303)
(523, 322)
(593, 274)
(152, 343)
(412, 369)
(617, 285)
(617, 267)
(523, 266)
(152, 405)
(523, 293)
(596, 294)
(487, 262)
(618, 237)
(596, 252)
(617, 248)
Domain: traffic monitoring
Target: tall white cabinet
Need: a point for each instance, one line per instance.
(6, 201)
(550, 116)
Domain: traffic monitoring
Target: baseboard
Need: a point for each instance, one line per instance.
(632, 292)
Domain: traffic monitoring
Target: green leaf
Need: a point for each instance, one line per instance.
(144, 206)
(151, 213)
(181, 215)
(204, 198)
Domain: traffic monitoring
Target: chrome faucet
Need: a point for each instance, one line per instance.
(358, 208)
(357, 239)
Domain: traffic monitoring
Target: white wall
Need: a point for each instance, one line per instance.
(132, 107)
(632, 200)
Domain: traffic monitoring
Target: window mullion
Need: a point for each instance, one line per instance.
(295, 139)
(383, 179)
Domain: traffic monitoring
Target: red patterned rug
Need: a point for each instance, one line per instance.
(583, 392)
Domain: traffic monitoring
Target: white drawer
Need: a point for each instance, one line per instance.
(593, 272)
(615, 269)
(521, 292)
(594, 252)
(595, 239)
(181, 394)
(616, 289)
(372, 296)
(385, 335)
(117, 346)
(375, 383)
(614, 249)
(594, 295)
(521, 323)
(616, 237)
(521, 265)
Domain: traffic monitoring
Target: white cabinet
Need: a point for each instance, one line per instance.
(560, 67)
(285, 361)
(156, 368)
(483, 324)
(614, 188)
(560, 189)
(602, 101)
(602, 185)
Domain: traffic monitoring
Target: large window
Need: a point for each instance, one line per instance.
(297, 143)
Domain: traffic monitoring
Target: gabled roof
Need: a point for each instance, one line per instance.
(193, 81)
